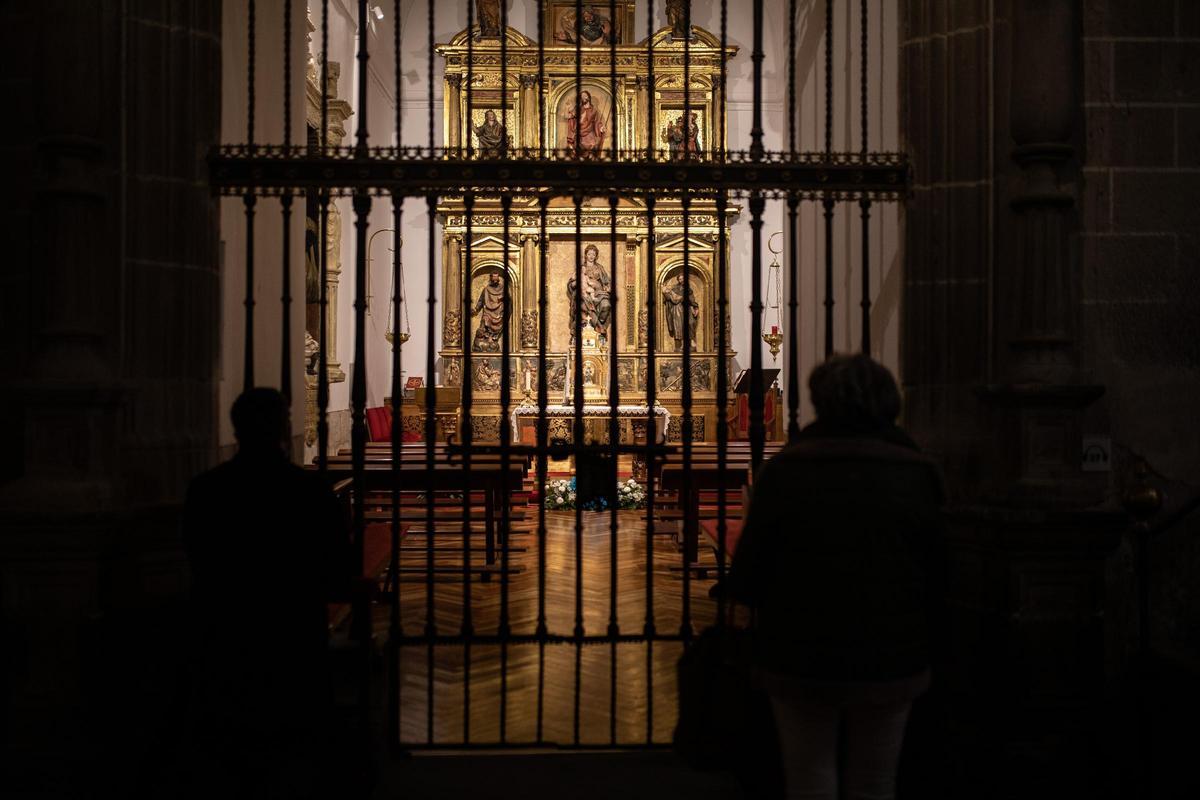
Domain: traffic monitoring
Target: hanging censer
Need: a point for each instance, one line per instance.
(392, 335)
(774, 336)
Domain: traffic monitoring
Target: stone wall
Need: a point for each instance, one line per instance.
(109, 329)
(1140, 247)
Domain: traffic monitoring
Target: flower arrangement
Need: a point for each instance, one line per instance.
(631, 494)
(561, 496)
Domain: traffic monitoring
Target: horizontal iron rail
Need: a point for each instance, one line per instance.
(264, 170)
(542, 744)
(536, 638)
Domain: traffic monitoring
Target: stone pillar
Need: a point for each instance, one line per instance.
(1040, 396)
(993, 391)
(1039, 296)
(111, 363)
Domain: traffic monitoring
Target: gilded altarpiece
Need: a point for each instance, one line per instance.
(578, 120)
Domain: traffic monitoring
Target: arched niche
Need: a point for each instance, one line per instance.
(561, 103)
(700, 277)
(481, 271)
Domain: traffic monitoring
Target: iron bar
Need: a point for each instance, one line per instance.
(468, 123)
(430, 437)
(397, 406)
(285, 300)
(430, 397)
(722, 346)
(248, 201)
(285, 207)
(865, 202)
(813, 175)
(690, 510)
(323, 261)
(757, 389)
(827, 201)
(576, 373)
(793, 354)
(651, 381)
(505, 387)
(467, 433)
(828, 204)
(614, 397)
(791, 76)
(756, 57)
(358, 397)
(757, 205)
(543, 432)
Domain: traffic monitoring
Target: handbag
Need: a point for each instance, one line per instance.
(725, 720)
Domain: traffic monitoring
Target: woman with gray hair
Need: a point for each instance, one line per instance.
(840, 558)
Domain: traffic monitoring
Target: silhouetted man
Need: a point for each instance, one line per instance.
(268, 549)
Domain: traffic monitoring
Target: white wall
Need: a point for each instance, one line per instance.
(885, 227)
(268, 233)
(449, 19)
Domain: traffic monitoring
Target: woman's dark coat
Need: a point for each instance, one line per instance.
(841, 556)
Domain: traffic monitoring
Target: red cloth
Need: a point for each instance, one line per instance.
(379, 424)
(743, 412)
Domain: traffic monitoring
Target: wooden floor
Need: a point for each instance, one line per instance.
(563, 667)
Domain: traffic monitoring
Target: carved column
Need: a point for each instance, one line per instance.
(630, 300)
(1028, 597)
(643, 337)
(530, 135)
(1040, 297)
(529, 291)
(453, 105)
(452, 291)
(644, 97)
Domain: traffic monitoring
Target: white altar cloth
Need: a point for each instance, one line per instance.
(559, 411)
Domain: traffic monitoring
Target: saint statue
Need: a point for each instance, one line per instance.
(677, 18)
(592, 28)
(493, 138)
(491, 312)
(312, 260)
(595, 297)
(586, 134)
(679, 302)
(312, 354)
(488, 14)
(682, 138)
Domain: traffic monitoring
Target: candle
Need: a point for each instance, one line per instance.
(774, 329)
(527, 376)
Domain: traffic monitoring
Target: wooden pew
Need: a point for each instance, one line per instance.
(496, 484)
(701, 477)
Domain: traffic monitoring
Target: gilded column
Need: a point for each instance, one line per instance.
(642, 92)
(453, 110)
(529, 286)
(530, 133)
(452, 291)
(643, 243)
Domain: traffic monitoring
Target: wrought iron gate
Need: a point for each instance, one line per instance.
(434, 473)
